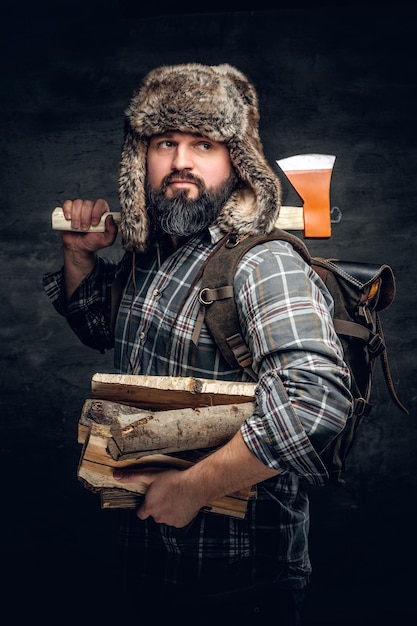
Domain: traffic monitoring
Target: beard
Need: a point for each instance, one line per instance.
(180, 215)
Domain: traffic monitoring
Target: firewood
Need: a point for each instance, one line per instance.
(137, 432)
(95, 471)
(105, 412)
(177, 430)
(234, 505)
(162, 392)
(119, 499)
(184, 420)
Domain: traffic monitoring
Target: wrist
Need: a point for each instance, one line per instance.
(83, 260)
(77, 266)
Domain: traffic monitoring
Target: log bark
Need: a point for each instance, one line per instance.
(162, 392)
(178, 430)
(104, 412)
(135, 432)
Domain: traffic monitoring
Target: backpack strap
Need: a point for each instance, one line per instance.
(217, 286)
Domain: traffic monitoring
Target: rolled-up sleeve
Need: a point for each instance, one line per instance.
(302, 395)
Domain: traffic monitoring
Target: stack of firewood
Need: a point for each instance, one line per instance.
(157, 421)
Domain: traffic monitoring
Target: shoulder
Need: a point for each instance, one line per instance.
(273, 254)
(275, 266)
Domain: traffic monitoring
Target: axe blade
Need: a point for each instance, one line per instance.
(310, 175)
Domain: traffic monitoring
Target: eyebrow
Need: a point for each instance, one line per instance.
(169, 133)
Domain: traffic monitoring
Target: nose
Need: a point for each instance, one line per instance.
(182, 159)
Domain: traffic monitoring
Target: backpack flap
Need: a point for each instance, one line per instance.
(359, 290)
(376, 282)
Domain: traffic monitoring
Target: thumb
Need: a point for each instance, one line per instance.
(133, 476)
(118, 474)
(128, 476)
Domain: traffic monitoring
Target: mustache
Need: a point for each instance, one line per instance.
(181, 175)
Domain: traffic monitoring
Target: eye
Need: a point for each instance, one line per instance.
(204, 145)
(160, 143)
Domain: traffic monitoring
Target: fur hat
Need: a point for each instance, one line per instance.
(217, 102)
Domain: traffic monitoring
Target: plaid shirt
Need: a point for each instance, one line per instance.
(302, 398)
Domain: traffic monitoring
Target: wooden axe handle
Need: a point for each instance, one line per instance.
(60, 223)
(290, 218)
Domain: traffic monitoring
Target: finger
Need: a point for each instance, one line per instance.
(86, 213)
(79, 212)
(67, 209)
(100, 206)
(110, 225)
(140, 511)
(76, 213)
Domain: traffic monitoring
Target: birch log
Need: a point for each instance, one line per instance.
(105, 412)
(164, 432)
(173, 392)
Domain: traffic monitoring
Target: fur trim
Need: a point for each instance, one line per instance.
(215, 101)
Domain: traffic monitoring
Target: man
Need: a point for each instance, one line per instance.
(192, 171)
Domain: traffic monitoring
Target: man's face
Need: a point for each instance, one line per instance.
(189, 178)
(200, 158)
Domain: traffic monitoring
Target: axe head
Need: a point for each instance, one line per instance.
(310, 175)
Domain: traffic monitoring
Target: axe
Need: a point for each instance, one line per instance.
(310, 176)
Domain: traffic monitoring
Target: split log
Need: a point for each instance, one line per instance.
(119, 499)
(95, 451)
(104, 412)
(162, 392)
(235, 505)
(96, 466)
(95, 469)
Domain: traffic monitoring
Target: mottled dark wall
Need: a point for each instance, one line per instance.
(337, 80)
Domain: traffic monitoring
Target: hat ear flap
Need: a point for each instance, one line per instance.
(256, 208)
(134, 224)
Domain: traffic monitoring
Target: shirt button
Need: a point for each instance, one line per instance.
(142, 335)
(155, 293)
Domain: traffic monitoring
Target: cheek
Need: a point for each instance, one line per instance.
(222, 169)
(219, 176)
(156, 171)
(217, 172)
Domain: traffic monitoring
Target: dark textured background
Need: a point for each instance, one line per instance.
(331, 79)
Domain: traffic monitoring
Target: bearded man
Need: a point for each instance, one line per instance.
(192, 172)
